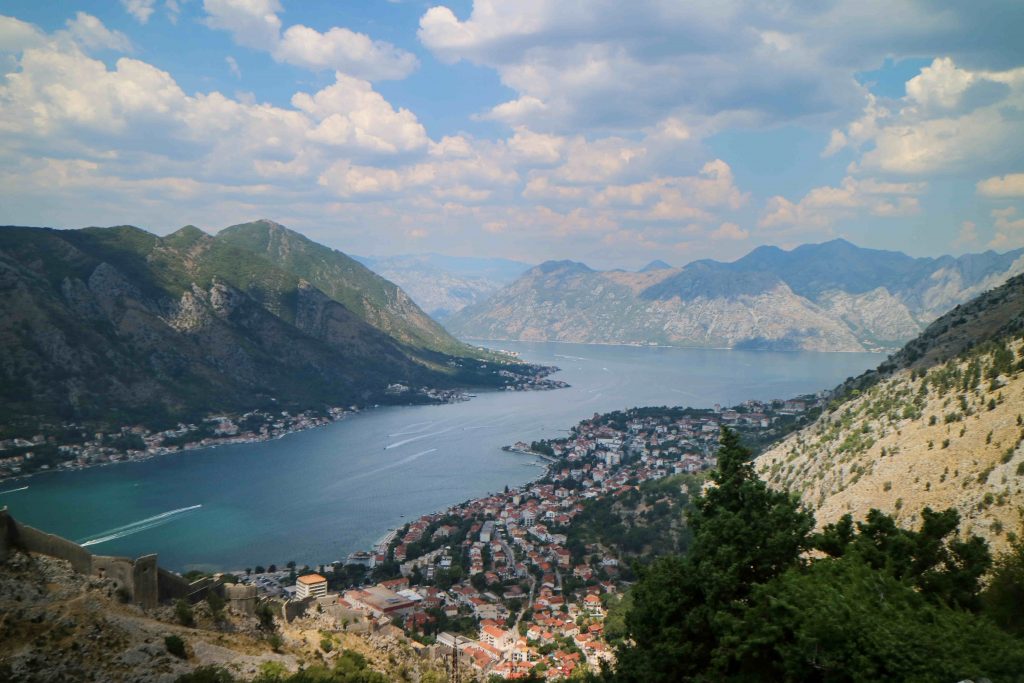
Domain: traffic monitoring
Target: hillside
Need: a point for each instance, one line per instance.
(375, 300)
(826, 297)
(939, 424)
(117, 325)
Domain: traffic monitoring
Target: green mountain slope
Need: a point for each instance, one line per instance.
(377, 301)
(116, 325)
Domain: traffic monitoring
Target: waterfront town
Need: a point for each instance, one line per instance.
(74, 446)
(504, 585)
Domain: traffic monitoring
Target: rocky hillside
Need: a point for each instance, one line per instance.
(940, 424)
(117, 326)
(369, 296)
(828, 297)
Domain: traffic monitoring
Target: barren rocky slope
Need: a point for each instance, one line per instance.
(940, 425)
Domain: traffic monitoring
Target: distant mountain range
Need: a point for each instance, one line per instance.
(117, 325)
(827, 297)
(443, 285)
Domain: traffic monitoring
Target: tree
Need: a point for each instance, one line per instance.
(1004, 596)
(745, 534)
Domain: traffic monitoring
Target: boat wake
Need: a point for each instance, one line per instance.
(421, 436)
(398, 463)
(136, 527)
(414, 428)
(13, 490)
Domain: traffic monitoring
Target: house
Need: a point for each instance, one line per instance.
(497, 638)
(310, 585)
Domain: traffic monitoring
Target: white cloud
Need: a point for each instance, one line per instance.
(141, 10)
(1009, 230)
(1010, 185)
(91, 34)
(17, 35)
(951, 119)
(729, 231)
(256, 24)
(823, 206)
(233, 67)
(351, 113)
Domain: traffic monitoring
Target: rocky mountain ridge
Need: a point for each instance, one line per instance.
(825, 297)
(119, 326)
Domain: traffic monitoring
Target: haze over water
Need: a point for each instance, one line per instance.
(316, 496)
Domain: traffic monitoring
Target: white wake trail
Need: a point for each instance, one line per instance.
(417, 438)
(136, 527)
(13, 490)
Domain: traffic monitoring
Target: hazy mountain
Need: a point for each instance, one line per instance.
(443, 285)
(830, 297)
(656, 264)
(936, 425)
(119, 325)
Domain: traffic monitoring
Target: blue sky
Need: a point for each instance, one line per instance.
(608, 132)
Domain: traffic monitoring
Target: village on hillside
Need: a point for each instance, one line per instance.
(497, 583)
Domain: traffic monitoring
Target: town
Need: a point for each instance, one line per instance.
(75, 446)
(503, 584)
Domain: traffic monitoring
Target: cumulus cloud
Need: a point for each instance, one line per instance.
(823, 206)
(1010, 185)
(90, 33)
(1009, 230)
(141, 10)
(256, 24)
(631, 64)
(951, 119)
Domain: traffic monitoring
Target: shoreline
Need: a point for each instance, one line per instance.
(335, 414)
(641, 345)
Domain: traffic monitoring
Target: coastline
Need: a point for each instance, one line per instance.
(298, 423)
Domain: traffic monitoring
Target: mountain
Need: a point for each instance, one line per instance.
(938, 424)
(827, 297)
(372, 298)
(116, 325)
(656, 264)
(444, 285)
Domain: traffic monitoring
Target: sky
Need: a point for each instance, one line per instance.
(604, 131)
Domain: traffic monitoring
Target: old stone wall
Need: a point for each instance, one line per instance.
(144, 582)
(241, 599)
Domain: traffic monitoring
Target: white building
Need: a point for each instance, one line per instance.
(310, 585)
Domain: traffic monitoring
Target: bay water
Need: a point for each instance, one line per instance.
(317, 495)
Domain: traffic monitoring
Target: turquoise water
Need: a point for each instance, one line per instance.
(315, 496)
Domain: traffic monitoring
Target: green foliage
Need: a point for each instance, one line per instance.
(207, 674)
(841, 620)
(745, 534)
(883, 603)
(183, 613)
(265, 614)
(176, 646)
(1004, 595)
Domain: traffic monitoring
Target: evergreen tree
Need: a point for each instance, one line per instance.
(745, 534)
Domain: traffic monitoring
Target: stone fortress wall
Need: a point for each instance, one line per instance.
(143, 581)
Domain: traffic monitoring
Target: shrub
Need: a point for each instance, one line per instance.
(176, 646)
(183, 613)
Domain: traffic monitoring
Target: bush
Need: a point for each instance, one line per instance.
(183, 613)
(276, 642)
(176, 646)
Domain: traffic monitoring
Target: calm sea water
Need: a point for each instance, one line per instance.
(315, 496)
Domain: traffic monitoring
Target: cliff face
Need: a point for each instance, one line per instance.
(939, 425)
(118, 325)
(833, 296)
